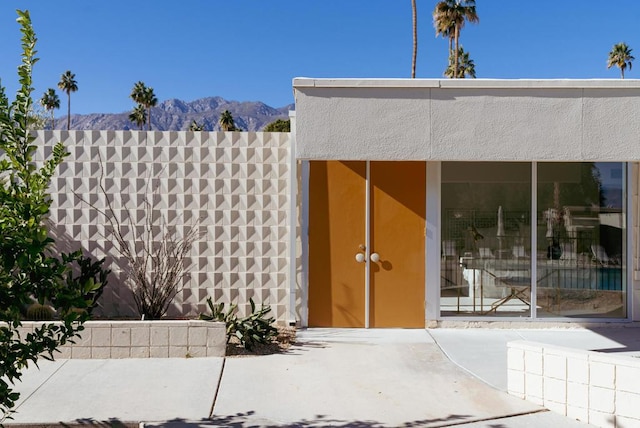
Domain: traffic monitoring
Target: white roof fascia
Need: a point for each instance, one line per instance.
(305, 82)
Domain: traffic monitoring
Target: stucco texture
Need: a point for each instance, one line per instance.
(444, 120)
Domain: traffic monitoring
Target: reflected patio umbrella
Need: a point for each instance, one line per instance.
(549, 234)
(500, 233)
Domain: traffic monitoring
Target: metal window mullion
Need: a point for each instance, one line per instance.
(534, 240)
(629, 245)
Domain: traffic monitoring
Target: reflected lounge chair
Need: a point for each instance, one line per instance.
(449, 249)
(485, 253)
(600, 256)
(519, 252)
(568, 252)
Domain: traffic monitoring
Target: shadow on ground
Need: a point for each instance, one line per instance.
(235, 349)
(628, 337)
(248, 420)
(109, 423)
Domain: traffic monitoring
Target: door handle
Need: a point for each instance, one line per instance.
(360, 257)
(375, 257)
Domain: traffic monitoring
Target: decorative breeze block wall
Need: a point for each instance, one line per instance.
(233, 186)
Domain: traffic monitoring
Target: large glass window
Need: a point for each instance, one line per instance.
(577, 267)
(486, 238)
(580, 234)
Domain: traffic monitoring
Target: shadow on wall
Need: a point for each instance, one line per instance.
(117, 299)
(235, 185)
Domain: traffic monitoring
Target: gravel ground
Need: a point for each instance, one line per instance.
(286, 337)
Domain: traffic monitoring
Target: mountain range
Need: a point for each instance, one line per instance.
(177, 115)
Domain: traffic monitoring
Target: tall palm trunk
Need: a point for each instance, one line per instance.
(622, 72)
(456, 36)
(414, 13)
(53, 119)
(149, 118)
(68, 110)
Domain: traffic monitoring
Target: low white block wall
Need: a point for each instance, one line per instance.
(593, 387)
(144, 339)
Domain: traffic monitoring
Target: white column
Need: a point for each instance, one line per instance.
(632, 213)
(432, 244)
(293, 220)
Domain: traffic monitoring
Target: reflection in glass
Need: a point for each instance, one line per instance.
(580, 233)
(486, 239)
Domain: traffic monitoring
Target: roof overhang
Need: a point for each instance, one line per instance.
(468, 119)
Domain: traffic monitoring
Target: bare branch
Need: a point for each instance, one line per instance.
(156, 266)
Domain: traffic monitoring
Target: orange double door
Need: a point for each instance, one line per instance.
(367, 244)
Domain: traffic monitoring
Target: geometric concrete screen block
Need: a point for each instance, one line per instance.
(234, 186)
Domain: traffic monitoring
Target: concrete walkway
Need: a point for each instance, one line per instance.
(483, 352)
(332, 377)
(127, 390)
(365, 378)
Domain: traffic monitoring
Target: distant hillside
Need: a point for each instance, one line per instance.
(176, 115)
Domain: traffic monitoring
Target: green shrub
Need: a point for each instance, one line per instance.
(250, 331)
(86, 275)
(278, 125)
(29, 268)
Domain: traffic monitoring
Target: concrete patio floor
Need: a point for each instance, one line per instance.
(331, 377)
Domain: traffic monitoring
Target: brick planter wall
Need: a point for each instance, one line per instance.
(144, 339)
(593, 387)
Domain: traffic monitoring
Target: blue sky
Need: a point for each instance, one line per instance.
(249, 50)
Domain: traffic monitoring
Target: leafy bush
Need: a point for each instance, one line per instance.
(250, 331)
(28, 268)
(84, 275)
(87, 275)
(278, 125)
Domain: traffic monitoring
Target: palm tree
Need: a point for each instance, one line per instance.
(149, 100)
(226, 121)
(144, 96)
(451, 15)
(50, 101)
(414, 14)
(445, 28)
(621, 57)
(137, 92)
(138, 116)
(195, 126)
(68, 84)
(466, 66)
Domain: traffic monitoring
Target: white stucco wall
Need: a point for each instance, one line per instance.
(473, 120)
(404, 119)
